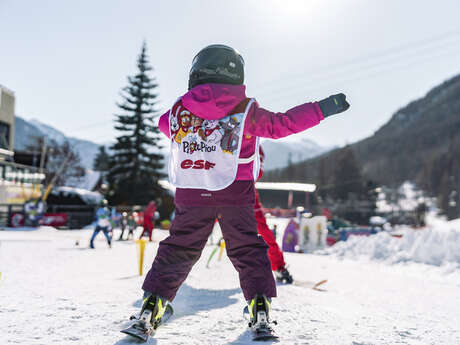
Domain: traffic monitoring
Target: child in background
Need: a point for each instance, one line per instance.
(123, 224)
(102, 224)
(132, 225)
(214, 175)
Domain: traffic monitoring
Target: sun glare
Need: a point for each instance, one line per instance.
(292, 7)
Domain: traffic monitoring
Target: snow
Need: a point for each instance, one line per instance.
(52, 291)
(89, 197)
(437, 246)
(406, 198)
(88, 181)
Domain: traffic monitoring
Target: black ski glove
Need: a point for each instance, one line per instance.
(334, 104)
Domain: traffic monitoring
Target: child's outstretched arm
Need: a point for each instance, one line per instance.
(266, 124)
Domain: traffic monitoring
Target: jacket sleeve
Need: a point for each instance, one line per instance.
(266, 124)
(163, 123)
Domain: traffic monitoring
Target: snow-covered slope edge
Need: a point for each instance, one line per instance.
(435, 245)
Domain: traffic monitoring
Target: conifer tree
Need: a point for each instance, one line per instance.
(102, 160)
(347, 177)
(136, 161)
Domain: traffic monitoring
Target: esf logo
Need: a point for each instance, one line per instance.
(199, 164)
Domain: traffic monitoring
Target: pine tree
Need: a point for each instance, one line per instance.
(347, 177)
(102, 160)
(136, 162)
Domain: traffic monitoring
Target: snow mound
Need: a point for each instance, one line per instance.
(433, 246)
(30, 228)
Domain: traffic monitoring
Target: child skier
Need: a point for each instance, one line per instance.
(132, 224)
(214, 174)
(123, 224)
(102, 224)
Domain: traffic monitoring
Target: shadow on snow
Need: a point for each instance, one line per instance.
(190, 301)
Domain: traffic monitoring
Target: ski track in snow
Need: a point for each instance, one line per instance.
(53, 292)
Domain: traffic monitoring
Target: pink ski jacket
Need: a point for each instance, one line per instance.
(215, 101)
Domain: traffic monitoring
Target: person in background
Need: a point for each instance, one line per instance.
(34, 210)
(132, 224)
(149, 220)
(102, 224)
(123, 224)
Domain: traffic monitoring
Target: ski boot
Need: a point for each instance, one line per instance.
(283, 276)
(259, 321)
(154, 308)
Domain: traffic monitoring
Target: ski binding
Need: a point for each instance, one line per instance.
(142, 327)
(261, 330)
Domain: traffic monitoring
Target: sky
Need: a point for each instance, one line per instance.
(67, 61)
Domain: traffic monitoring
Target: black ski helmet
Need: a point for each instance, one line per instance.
(216, 63)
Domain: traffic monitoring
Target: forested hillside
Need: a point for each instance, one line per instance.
(420, 143)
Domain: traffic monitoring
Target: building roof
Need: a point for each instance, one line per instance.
(287, 186)
(295, 187)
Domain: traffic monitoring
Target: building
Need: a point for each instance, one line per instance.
(6, 122)
(18, 182)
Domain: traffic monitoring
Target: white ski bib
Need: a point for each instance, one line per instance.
(204, 153)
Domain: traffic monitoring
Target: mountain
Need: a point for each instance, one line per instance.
(281, 151)
(420, 143)
(23, 132)
(26, 131)
(416, 134)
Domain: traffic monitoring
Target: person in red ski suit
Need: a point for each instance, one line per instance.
(275, 254)
(149, 221)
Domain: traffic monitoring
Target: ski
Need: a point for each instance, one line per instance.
(263, 334)
(142, 328)
(318, 286)
(262, 330)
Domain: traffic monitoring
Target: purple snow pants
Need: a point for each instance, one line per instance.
(188, 235)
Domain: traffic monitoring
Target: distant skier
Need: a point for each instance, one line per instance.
(132, 225)
(123, 225)
(102, 224)
(34, 210)
(212, 182)
(149, 220)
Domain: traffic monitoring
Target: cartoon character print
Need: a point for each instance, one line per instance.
(174, 122)
(211, 131)
(174, 126)
(185, 123)
(197, 127)
(230, 139)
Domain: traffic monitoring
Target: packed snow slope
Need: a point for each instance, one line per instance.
(437, 245)
(54, 292)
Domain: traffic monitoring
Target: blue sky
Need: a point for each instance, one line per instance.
(66, 61)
